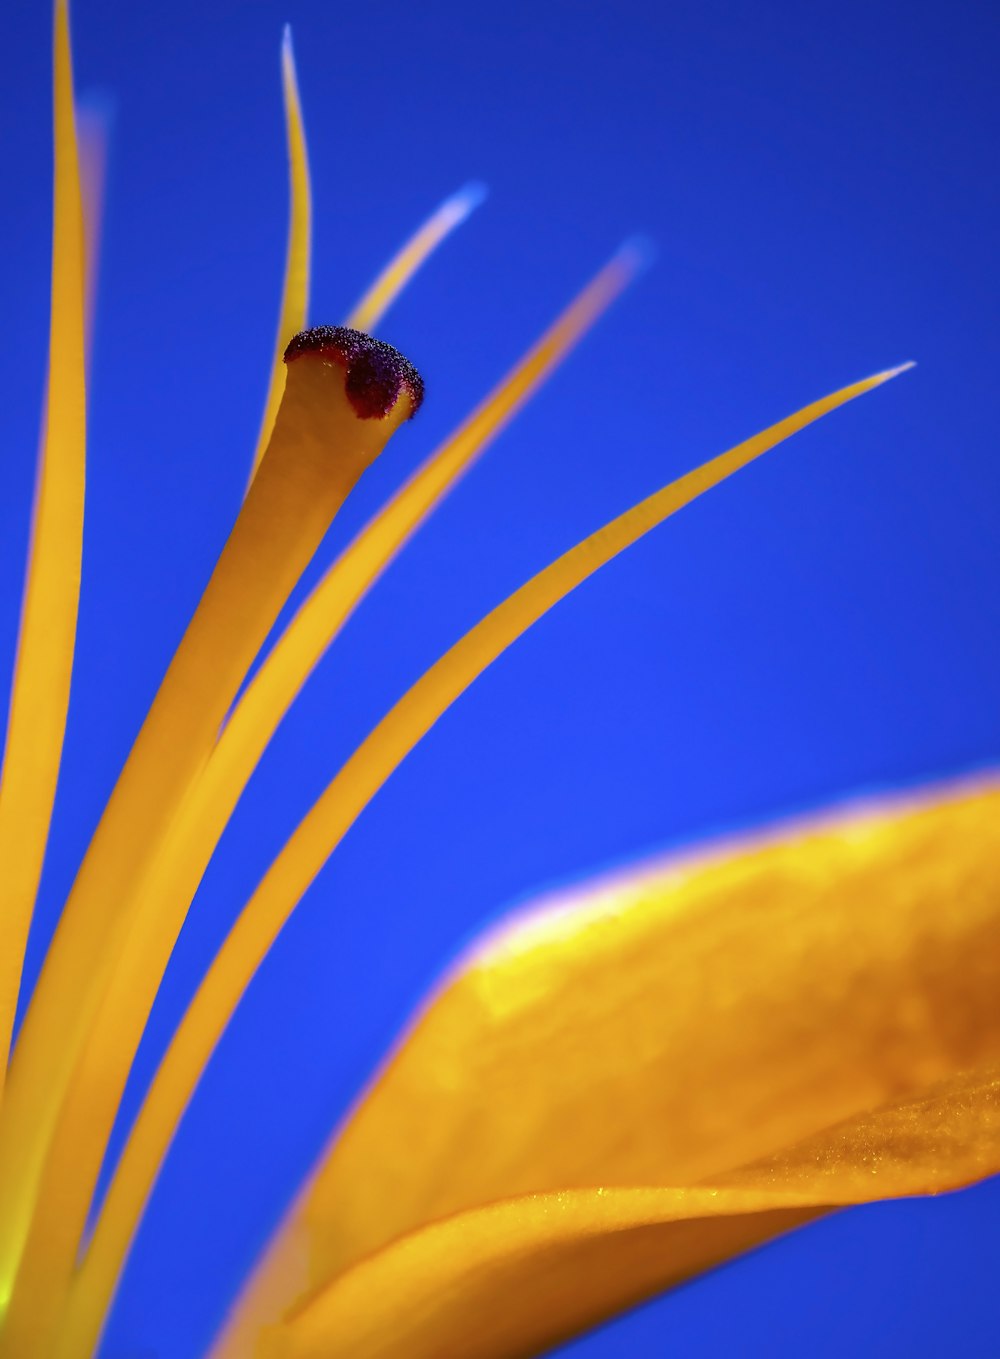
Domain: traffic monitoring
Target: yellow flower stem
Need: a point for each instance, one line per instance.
(334, 813)
(398, 272)
(318, 449)
(163, 897)
(41, 683)
(295, 296)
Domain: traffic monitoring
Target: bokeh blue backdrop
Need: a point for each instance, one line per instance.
(820, 182)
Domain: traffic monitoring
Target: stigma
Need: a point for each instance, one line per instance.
(376, 373)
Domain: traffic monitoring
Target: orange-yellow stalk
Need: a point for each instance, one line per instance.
(41, 682)
(783, 1024)
(335, 812)
(412, 717)
(165, 892)
(387, 286)
(318, 449)
(295, 294)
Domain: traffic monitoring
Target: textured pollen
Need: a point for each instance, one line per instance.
(376, 373)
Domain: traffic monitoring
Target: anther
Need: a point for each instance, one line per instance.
(376, 373)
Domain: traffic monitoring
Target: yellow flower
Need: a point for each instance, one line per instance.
(622, 1088)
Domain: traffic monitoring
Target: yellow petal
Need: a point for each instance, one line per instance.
(41, 683)
(515, 1278)
(942, 1138)
(295, 295)
(518, 1277)
(668, 1029)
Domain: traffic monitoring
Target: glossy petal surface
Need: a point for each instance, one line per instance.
(516, 1277)
(730, 1020)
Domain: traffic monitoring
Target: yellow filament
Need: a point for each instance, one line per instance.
(41, 683)
(366, 771)
(398, 272)
(163, 897)
(327, 822)
(295, 297)
(318, 449)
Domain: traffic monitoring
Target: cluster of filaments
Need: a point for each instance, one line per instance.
(330, 411)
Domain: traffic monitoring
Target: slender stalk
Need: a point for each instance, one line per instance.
(318, 449)
(320, 832)
(41, 682)
(295, 293)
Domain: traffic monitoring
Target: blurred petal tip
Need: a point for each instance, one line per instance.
(638, 252)
(469, 197)
(376, 372)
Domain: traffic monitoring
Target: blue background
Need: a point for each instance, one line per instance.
(820, 181)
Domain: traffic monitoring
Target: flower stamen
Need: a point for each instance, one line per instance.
(318, 449)
(164, 895)
(375, 374)
(332, 815)
(295, 292)
(42, 672)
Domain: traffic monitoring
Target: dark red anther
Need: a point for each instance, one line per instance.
(376, 373)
